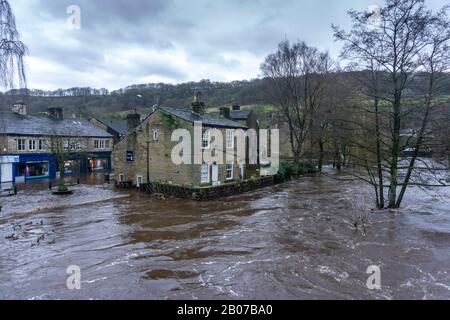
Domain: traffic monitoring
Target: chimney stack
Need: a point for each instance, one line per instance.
(56, 113)
(225, 112)
(197, 105)
(133, 121)
(20, 108)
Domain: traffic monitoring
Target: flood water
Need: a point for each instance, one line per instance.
(292, 241)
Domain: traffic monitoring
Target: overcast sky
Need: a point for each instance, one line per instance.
(124, 42)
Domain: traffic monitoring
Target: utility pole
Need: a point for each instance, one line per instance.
(149, 188)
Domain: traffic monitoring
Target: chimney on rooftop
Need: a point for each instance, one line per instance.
(225, 112)
(197, 105)
(20, 108)
(133, 120)
(56, 113)
(236, 107)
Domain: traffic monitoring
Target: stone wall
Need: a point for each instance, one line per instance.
(215, 192)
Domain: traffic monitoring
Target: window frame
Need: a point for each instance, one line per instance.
(206, 132)
(229, 170)
(21, 144)
(202, 172)
(156, 135)
(32, 145)
(230, 139)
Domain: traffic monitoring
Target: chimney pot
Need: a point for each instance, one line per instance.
(197, 105)
(133, 121)
(20, 108)
(225, 112)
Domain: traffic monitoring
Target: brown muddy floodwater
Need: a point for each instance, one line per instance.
(292, 241)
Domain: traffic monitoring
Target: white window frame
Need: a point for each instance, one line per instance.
(139, 180)
(21, 144)
(230, 139)
(41, 145)
(32, 145)
(231, 171)
(99, 144)
(156, 135)
(202, 172)
(121, 178)
(206, 137)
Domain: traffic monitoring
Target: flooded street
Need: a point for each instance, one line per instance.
(292, 241)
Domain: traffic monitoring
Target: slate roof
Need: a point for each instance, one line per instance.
(240, 115)
(207, 120)
(119, 126)
(33, 125)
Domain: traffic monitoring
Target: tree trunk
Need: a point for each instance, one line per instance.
(395, 154)
(321, 155)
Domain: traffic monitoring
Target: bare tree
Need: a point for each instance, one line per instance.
(62, 147)
(296, 83)
(403, 41)
(12, 50)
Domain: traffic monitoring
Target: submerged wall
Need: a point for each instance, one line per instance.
(213, 192)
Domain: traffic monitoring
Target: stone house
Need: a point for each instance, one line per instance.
(145, 153)
(117, 128)
(24, 142)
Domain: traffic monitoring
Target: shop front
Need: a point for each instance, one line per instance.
(7, 177)
(34, 167)
(100, 161)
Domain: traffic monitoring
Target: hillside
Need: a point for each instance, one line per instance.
(86, 102)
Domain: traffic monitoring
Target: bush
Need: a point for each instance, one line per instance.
(305, 168)
(285, 172)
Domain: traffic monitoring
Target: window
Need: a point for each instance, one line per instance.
(206, 137)
(100, 144)
(155, 135)
(205, 173)
(21, 144)
(121, 177)
(230, 139)
(32, 145)
(130, 156)
(230, 168)
(41, 145)
(107, 144)
(139, 181)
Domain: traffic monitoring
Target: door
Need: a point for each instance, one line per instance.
(6, 179)
(241, 167)
(215, 174)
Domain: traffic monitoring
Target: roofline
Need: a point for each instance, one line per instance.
(238, 126)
